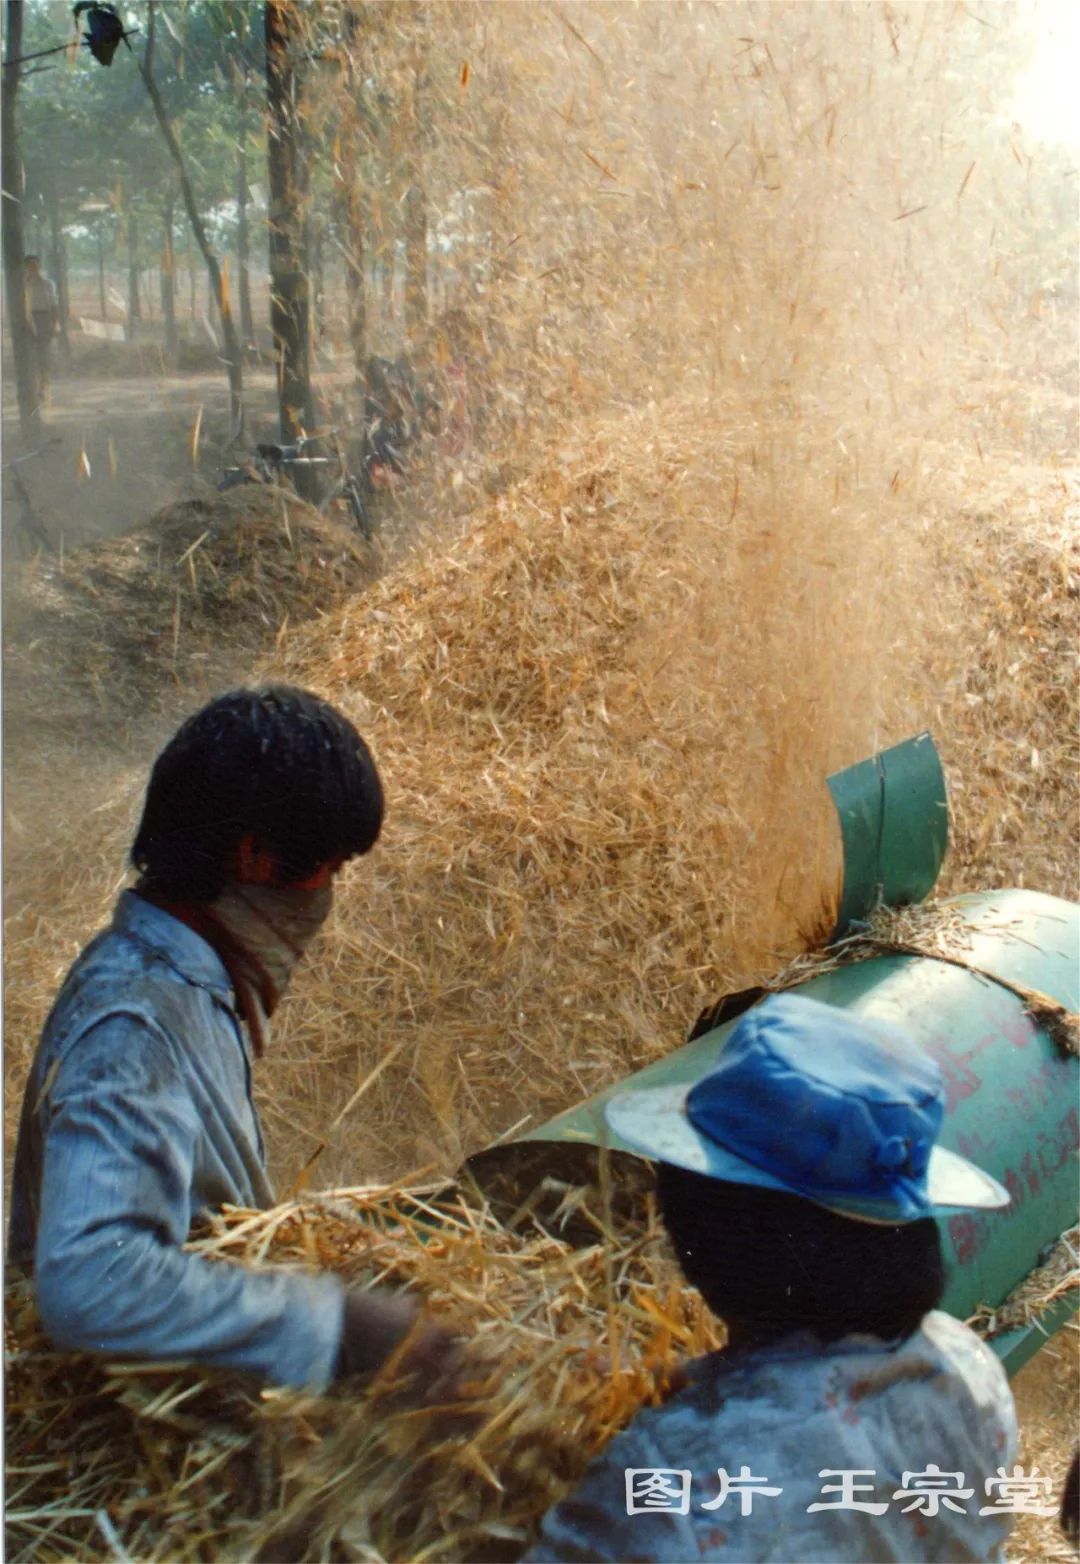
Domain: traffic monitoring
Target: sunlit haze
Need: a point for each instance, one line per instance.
(1047, 103)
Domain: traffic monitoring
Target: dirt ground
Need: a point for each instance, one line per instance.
(123, 439)
(125, 448)
(120, 446)
(1047, 1390)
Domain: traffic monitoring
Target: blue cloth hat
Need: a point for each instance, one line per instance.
(835, 1107)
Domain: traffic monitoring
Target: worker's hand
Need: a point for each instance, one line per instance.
(380, 1326)
(678, 1378)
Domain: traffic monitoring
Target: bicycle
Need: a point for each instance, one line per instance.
(347, 486)
(273, 461)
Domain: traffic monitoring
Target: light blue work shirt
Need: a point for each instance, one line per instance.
(787, 1413)
(138, 1117)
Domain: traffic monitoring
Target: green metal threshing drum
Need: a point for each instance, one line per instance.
(1012, 1092)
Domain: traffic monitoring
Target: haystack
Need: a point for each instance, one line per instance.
(111, 629)
(1006, 680)
(604, 715)
(605, 712)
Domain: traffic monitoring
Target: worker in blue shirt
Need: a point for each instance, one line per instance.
(138, 1114)
(847, 1419)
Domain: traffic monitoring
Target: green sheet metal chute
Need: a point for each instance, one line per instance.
(1012, 1091)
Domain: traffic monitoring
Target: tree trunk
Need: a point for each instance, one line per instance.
(134, 303)
(416, 227)
(233, 356)
(243, 242)
(349, 200)
(11, 182)
(103, 303)
(309, 230)
(58, 264)
(288, 174)
(358, 285)
(318, 278)
(146, 293)
(356, 281)
(350, 207)
(168, 280)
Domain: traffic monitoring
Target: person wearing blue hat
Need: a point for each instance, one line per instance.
(847, 1419)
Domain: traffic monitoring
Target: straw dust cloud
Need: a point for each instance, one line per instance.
(754, 328)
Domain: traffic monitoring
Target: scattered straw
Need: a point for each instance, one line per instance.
(191, 1464)
(1037, 1293)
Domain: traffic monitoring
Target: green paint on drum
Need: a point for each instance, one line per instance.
(1011, 1092)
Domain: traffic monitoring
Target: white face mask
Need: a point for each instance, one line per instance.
(269, 928)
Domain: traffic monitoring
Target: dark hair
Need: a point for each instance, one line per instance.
(274, 763)
(28, 258)
(772, 1263)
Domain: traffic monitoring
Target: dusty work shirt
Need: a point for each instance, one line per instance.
(40, 296)
(137, 1118)
(860, 1411)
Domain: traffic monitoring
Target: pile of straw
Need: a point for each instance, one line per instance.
(112, 629)
(1006, 685)
(161, 1462)
(136, 360)
(604, 715)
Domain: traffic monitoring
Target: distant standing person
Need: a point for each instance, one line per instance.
(44, 316)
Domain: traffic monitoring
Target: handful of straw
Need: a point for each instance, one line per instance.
(165, 1461)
